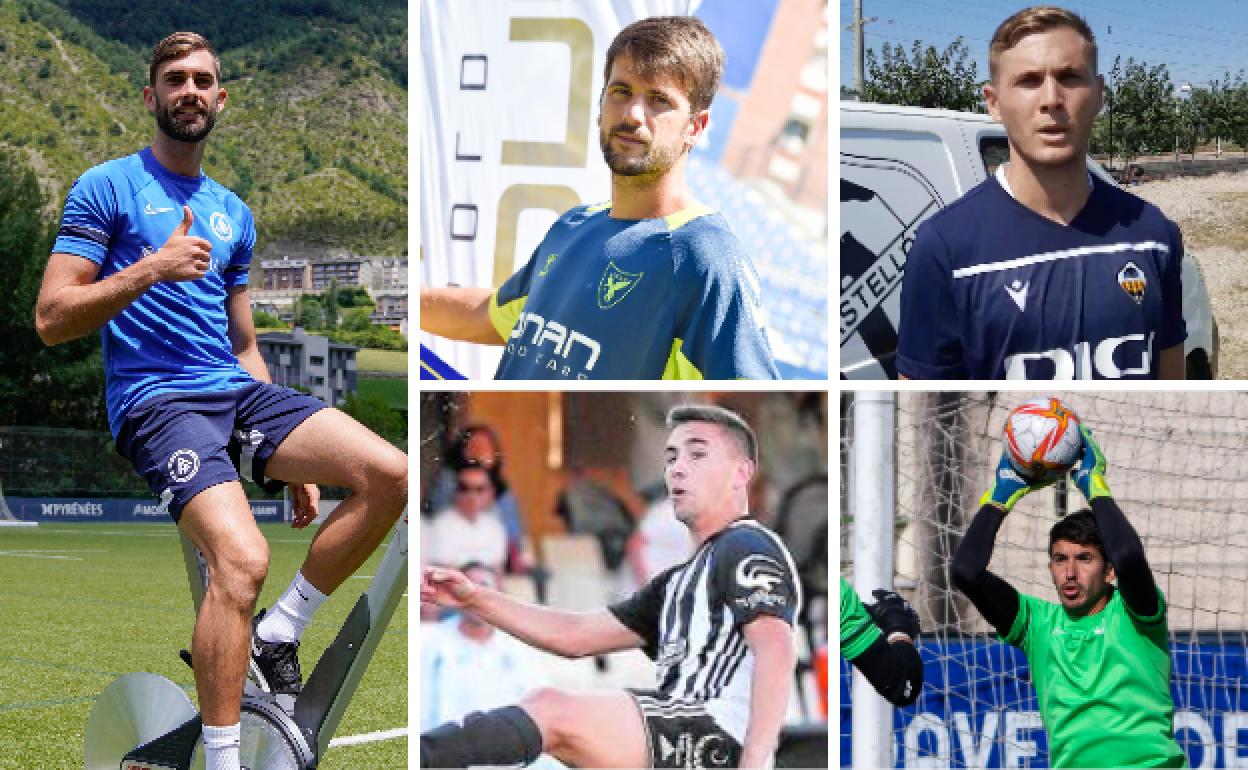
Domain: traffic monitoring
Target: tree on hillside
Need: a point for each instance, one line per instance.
(263, 320)
(330, 304)
(61, 386)
(923, 77)
(375, 414)
(309, 313)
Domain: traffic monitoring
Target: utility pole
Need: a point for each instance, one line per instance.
(860, 53)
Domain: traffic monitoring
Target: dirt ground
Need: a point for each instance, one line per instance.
(1213, 215)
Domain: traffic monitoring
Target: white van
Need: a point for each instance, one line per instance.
(899, 165)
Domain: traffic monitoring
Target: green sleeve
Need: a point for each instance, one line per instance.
(1018, 631)
(858, 632)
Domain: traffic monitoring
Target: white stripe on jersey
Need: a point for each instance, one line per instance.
(1052, 256)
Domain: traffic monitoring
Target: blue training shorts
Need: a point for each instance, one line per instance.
(184, 443)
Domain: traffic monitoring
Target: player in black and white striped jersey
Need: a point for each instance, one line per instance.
(720, 628)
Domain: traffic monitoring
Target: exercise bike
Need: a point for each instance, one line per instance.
(146, 722)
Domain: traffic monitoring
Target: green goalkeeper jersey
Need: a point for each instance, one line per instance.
(1103, 683)
(858, 631)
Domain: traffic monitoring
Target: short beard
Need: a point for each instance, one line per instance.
(656, 162)
(168, 124)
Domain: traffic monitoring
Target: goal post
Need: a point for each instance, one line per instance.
(7, 517)
(1178, 467)
(873, 507)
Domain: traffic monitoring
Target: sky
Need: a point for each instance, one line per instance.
(1197, 40)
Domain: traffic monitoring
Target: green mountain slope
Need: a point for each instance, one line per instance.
(314, 133)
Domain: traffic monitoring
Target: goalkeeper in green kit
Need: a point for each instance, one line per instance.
(1100, 658)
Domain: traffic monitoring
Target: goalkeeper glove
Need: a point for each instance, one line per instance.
(1089, 474)
(894, 614)
(1009, 485)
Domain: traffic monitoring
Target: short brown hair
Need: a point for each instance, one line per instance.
(176, 46)
(1078, 528)
(680, 46)
(727, 419)
(1029, 21)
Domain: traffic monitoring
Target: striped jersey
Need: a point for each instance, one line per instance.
(174, 337)
(690, 618)
(994, 290)
(673, 297)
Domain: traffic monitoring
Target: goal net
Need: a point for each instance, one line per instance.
(1178, 467)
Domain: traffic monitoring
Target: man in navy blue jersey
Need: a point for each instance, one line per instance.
(650, 285)
(719, 628)
(1044, 271)
(155, 255)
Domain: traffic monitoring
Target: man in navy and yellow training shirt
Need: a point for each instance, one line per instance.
(651, 285)
(155, 256)
(1043, 272)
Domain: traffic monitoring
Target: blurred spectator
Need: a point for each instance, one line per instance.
(466, 665)
(659, 542)
(477, 445)
(588, 507)
(471, 528)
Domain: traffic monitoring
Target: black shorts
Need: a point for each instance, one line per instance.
(184, 443)
(682, 734)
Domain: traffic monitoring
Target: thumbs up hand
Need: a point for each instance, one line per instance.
(184, 257)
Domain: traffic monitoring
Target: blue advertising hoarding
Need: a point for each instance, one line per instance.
(115, 510)
(978, 708)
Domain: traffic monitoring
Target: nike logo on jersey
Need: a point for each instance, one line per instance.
(149, 210)
(1018, 292)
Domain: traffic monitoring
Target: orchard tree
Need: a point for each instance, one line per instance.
(1144, 108)
(923, 77)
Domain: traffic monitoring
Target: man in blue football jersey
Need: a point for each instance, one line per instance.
(156, 255)
(1044, 271)
(650, 285)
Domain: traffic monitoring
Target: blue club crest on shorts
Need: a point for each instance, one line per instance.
(183, 465)
(615, 286)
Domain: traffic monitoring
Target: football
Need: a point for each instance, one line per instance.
(1042, 439)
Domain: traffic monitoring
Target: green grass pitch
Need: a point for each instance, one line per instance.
(373, 360)
(392, 391)
(81, 604)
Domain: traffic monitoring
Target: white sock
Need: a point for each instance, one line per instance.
(285, 620)
(221, 747)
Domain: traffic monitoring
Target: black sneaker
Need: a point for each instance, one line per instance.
(274, 665)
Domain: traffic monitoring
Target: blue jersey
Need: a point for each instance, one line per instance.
(994, 290)
(173, 338)
(668, 298)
